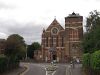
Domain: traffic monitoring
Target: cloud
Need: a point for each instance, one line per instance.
(6, 6)
(28, 17)
(96, 0)
(3, 35)
(29, 31)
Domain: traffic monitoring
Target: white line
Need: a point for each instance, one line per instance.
(53, 72)
(23, 73)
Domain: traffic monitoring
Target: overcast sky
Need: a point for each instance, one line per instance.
(28, 17)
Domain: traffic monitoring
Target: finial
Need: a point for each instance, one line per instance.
(73, 13)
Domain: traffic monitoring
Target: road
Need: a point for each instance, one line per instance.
(39, 69)
(61, 70)
(34, 69)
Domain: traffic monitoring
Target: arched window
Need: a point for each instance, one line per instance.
(62, 44)
(57, 41)
(47, 42)
(51, 41)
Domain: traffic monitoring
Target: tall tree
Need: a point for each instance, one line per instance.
(91, 41)
(93, 20)
(15, 46)
(31, 48)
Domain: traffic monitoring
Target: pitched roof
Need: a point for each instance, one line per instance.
(54, 23)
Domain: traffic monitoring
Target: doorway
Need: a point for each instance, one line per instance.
(54, 57)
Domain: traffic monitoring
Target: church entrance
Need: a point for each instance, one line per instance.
(54, 57)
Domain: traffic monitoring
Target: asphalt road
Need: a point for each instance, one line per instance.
(39, 69)
(61, 70)
(34, 69)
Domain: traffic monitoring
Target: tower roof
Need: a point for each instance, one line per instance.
(74, 15)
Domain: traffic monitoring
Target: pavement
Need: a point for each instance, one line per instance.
(39, 69)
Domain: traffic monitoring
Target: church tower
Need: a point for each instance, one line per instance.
(74, 34)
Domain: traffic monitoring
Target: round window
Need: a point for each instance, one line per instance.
(54, 30)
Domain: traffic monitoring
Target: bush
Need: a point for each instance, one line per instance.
(95, 60)
(3, 63)
(86, 60)
(8, 63)
(91, 63)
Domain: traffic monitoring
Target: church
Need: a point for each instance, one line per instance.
(62, 44)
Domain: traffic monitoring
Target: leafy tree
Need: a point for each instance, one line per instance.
(30, 51)
(93, 20)
(31, 48)
(15, 46)
(91, 41)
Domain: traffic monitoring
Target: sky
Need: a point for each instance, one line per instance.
(28, 17)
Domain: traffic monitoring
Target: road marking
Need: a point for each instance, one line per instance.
(53, 72)
(68, 70)
(23, 73)
(50, 72)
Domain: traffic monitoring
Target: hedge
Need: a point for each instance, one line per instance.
(8, 63)
(95, 60)
(91, 63)
(3, 63)
(86, 60)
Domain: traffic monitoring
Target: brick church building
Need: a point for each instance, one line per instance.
(63, 44)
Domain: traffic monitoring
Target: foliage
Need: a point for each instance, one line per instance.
(13, 62)
(95, 60)
(8, 63)
(93, 20)
(3, 63)
(36, 45)
(91, 41)
(30, 51)
(15, 46)
(91, 63)
(86, 60)
(31, 48)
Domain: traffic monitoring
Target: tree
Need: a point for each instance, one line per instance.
(91, 41)
(15, 46)
(93, 20)
(31, 48)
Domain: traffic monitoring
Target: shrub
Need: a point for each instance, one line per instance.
(86, 60)
(3, 63)
(8, 63)
(95, 60)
